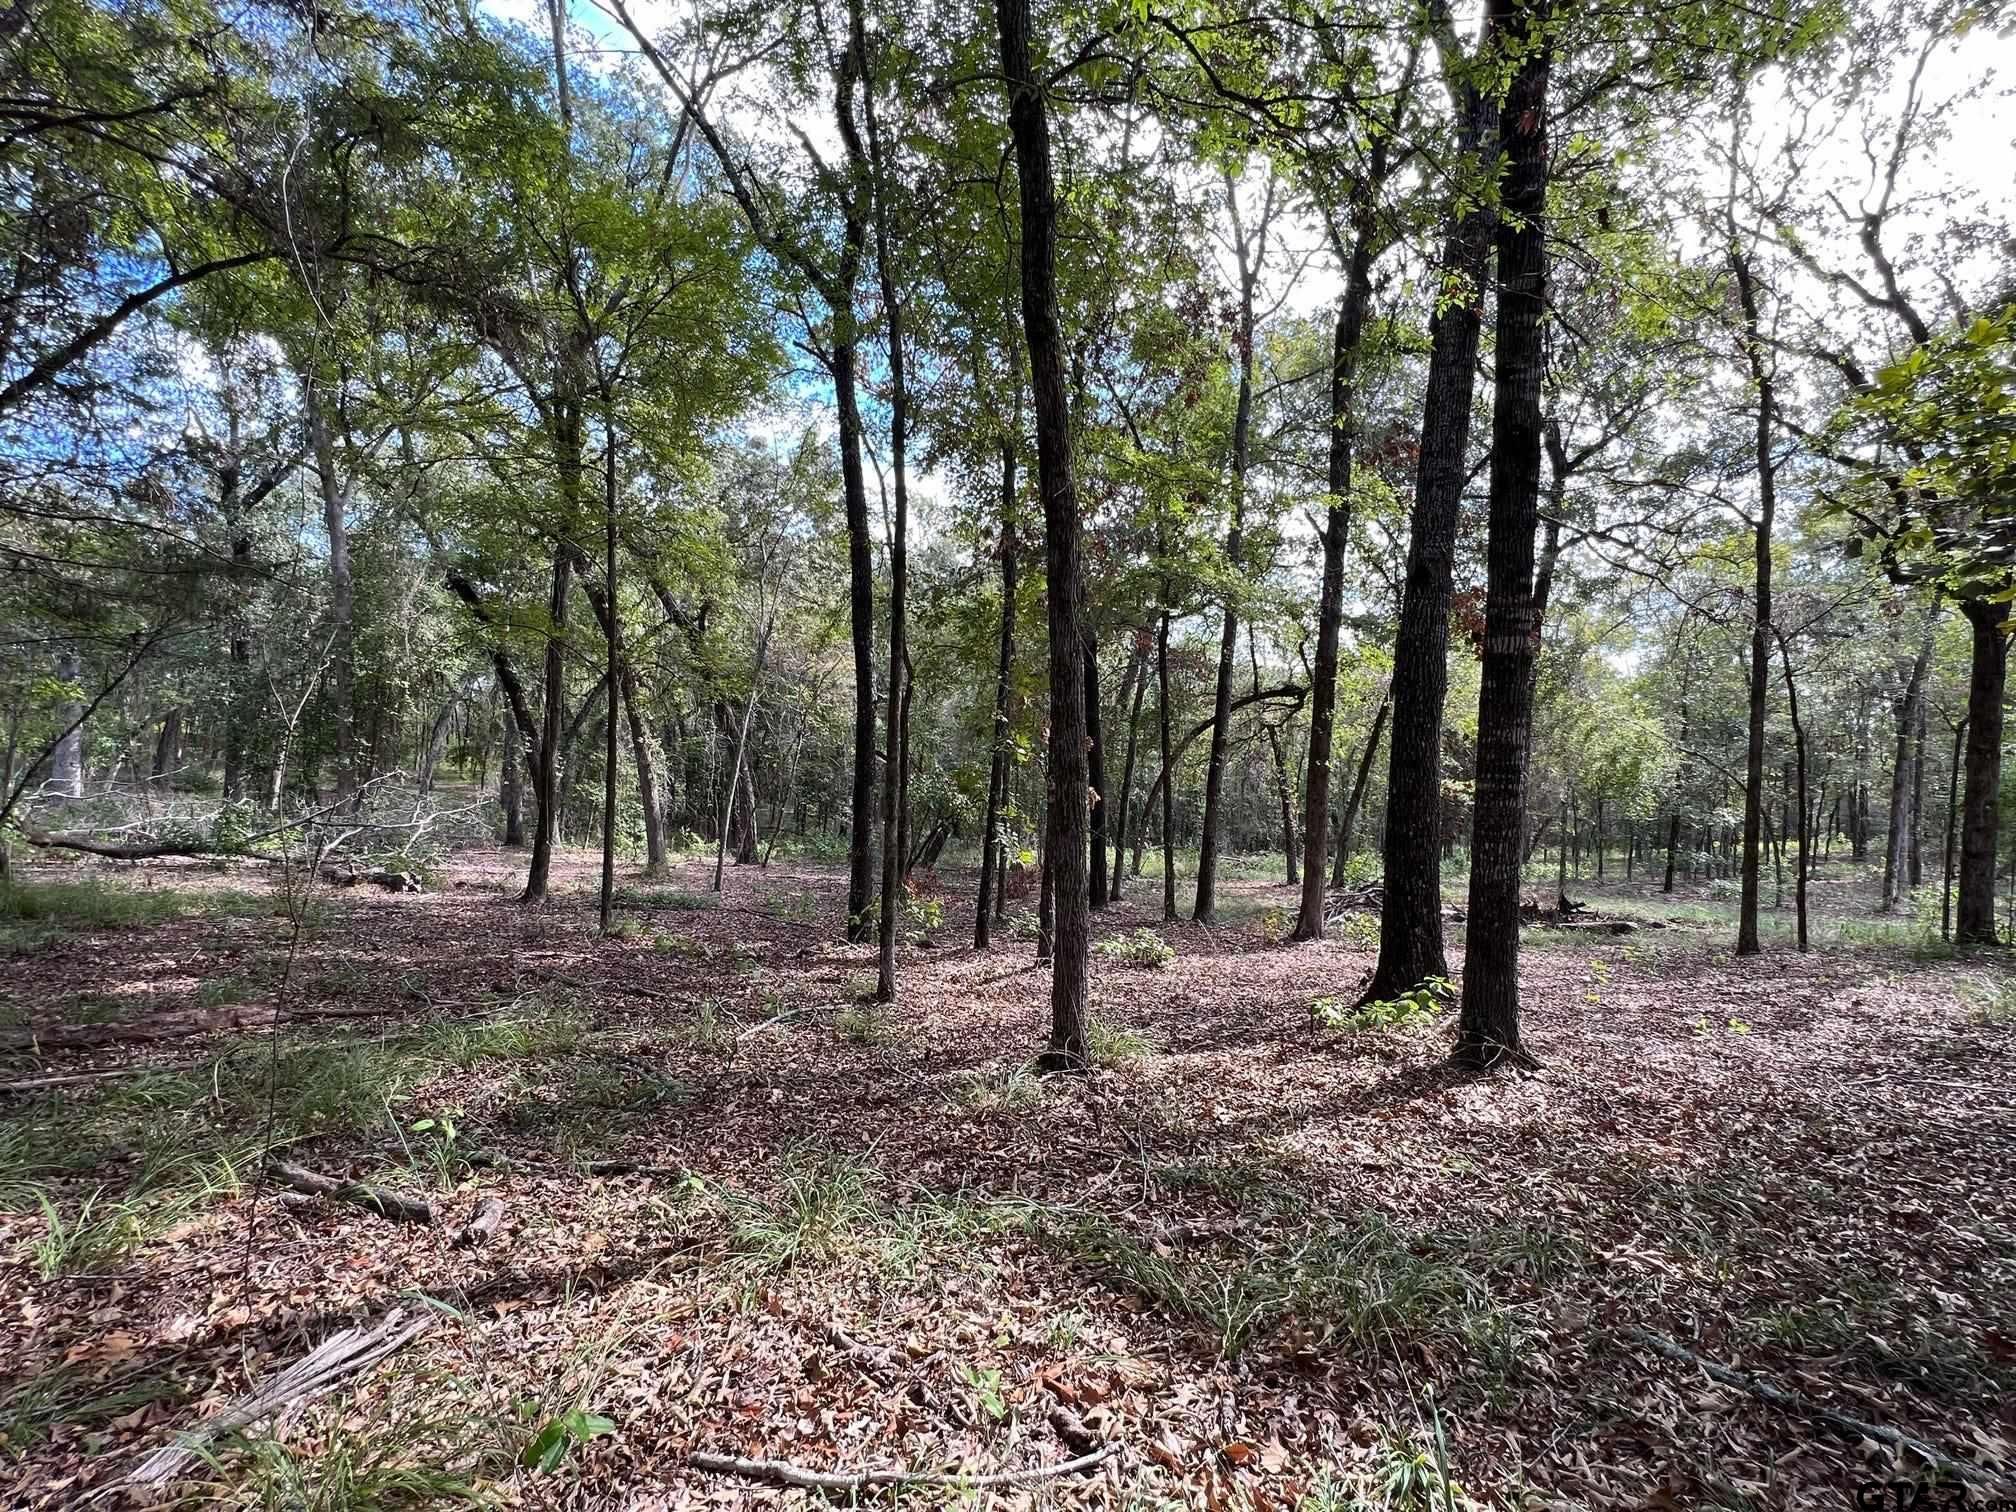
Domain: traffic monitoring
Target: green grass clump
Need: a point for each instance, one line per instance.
(1112, 1045)
(1365, 1283)
(824, 1205)
(999, 1091)
(64, 1396)
(1138, 947)
(395, 1458)
(680, 945)
(861, 1023)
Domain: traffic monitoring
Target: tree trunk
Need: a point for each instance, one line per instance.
(1123, 821)
(1168, 777)
(1910, 710)
(1046, 898)
(1489, 1030)
(168, 747)
(1981, 817)
(1799, 756)
(1952, 824)
(66, 762)
(991, 856)
(861, 608)
(510, 790)
(612, 675)
(342, 593)
(1095, 766)
(739, 780)
(1066, 818)
(1763, 379)
(546, 752)
(437, 741)
(1410, 923)
(1357, 799)
(895, 839)
(1357, 299)
(1915, 862)
(1250, 257)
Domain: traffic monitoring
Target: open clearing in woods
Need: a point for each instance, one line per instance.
(1270, 1264)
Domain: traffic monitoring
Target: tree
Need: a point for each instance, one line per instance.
(1066, 805)
(1410, 924)
(1489, 1031)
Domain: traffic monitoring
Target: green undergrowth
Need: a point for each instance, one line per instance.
(71, 1397)
(180, 1139)
(37, 914)
(1418, 1007)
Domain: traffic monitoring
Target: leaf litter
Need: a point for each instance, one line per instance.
(1275, 1268)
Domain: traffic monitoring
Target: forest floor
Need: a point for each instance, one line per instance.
(1275, 1264)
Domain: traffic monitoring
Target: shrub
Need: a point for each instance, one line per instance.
(1358, 930)
(1138, 947)
(1418, 1006)
(922, 913)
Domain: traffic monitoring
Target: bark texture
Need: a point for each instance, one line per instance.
(1489, 1029)
(1410, 925)
(1066, 819)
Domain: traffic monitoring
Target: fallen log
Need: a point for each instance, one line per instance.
(375, 1199)
(391, 881)
(480, 1228)
(321, 1371)
(784, 1473)
(1778, 1396)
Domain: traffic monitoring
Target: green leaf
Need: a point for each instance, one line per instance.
(549, 1448)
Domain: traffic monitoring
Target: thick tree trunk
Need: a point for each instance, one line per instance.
(168, 747)
(991, 855)
(861, 607)
(1980, 817)
(1489, 1030)
(1066, 818)
(1410, 924)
